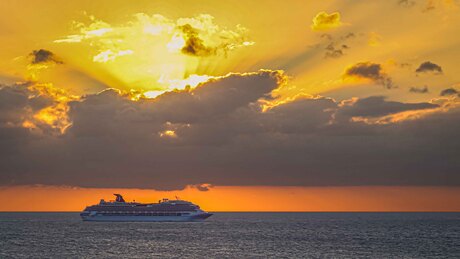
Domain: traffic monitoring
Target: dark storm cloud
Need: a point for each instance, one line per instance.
(194, 45)
(429, 67)
(449, 91)
(43, 56)
(419, 90)
(372, 71)
(219, 135)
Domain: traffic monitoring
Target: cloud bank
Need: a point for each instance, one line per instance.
(218, 134)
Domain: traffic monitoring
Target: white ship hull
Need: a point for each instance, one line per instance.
(163, 211)
(191, 218)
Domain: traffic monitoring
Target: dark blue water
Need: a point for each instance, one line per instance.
(235, 235)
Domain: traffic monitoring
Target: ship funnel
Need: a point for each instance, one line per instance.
(119, 198)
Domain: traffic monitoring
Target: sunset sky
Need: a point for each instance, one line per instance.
(349, 105)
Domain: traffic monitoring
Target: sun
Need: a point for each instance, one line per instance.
(153, 54)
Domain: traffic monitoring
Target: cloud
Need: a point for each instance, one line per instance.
(39, 107)
(336, 47)
(224, 137)
(419, 90)
(43, 56)
(429, 5)
(150, 52)
(333, 52)
(323, 21)
(435, 4)
(377, 106)
(406, 3)
(429, 67)
(204, 187)
(194, 45)
(449, 91)
(374, 39)
(195, 36)
(109, 55)
(40, 60)
(370, 71)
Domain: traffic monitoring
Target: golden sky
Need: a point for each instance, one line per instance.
(235, 198)
(262, 99)
(132, 45)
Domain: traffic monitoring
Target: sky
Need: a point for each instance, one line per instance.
(293, 106)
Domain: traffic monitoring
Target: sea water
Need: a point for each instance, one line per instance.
(235, 235)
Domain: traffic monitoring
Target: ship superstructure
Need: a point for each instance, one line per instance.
(164, 210)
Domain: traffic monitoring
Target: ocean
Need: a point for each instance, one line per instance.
(235, 235)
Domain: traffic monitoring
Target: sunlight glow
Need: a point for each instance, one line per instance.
(176, 44)
(180, 84)
(158, 52)
(152, 94)
(109, 55)
(174, 84)
(168, 133)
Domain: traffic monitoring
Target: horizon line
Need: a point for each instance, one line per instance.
(325, 211)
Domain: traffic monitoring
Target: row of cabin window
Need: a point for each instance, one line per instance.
(118, 213)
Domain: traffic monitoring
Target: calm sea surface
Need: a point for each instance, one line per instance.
(235, 235)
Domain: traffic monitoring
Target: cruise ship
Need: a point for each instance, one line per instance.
(164, 210)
